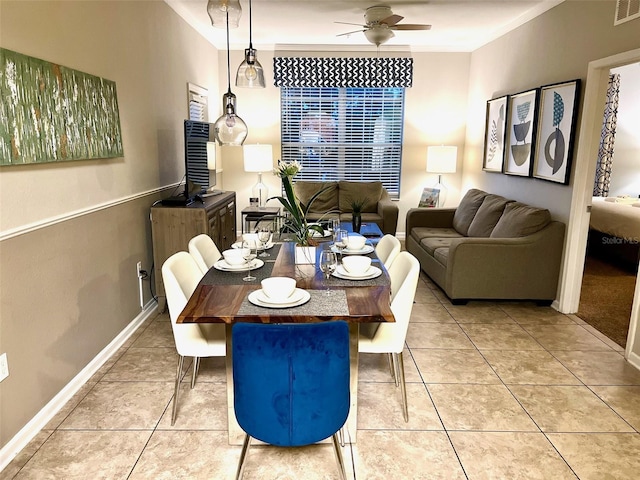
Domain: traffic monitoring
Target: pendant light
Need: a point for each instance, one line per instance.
(224, 12)
(229, 129)
(250, 73)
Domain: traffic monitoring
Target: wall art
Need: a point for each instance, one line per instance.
(556, 131)
(52, 113)
(521, 125)
(495, 134)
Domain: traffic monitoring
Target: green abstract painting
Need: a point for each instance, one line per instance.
(51, 113)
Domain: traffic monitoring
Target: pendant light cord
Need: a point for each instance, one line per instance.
(228, 58)
(250, 42)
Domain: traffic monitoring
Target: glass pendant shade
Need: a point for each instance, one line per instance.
(230, 129)
(219, 9)
(250, 73)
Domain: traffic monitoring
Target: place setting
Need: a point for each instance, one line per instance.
(351, 244)
(356, 267)
(239, 260)
(279, 292)
(263, 239)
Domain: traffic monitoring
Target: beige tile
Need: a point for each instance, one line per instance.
(509, 455)
(479, 407)
(145, 364)
(25, 455)
(64, 412)
(599, 368)
(533, 315)
(374, 367)
(529, 367)
(86, 454)
(212, 369)
(601, 336)
(453, 366)
(203, 407)
(500, 337)
(437, 335)
(625, 400)
(565, 337)
(600, 456)
(568, 409)
(121, 406)
(187, 455)
(430, 313)
(380, 408)
(157, 334)
(424, 294)
(388, 454)
(478, 313)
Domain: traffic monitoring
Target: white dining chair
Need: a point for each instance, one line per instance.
(387, 249)
(204, 251)
(390, 337)
(181, 276)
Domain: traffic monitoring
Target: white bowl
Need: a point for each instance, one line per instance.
(355, 242)
(235, 256)
(356, 264)
(278, 288)
(250, 237)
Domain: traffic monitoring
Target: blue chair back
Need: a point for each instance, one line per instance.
(291, 381)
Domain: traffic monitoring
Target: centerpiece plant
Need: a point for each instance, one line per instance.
(296, 222)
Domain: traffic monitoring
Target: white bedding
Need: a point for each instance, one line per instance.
(620, 219)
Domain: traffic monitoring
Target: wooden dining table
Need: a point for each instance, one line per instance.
(222, 297)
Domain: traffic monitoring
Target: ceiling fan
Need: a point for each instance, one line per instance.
(380, 22)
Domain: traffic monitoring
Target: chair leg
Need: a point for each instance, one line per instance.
(400, 363)
(177, 390)
(392, 368)
(339, 459)
(196, 367)
(341, 436)
(243, 456)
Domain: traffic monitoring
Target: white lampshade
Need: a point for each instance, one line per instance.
(258, 158)
(442, 159)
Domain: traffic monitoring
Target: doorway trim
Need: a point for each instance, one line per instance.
(581, 197)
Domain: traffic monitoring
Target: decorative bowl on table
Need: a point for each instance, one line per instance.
(235, 256)
(355, 242)
(356, 264)
(278, 288)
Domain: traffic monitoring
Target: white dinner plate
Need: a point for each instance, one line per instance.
(257, 297)
(296, 296)
(372, 272)
(365, 250)
(224, 266)
(267, 246)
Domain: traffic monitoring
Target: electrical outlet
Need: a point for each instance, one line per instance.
(4, 367)
(139, 269)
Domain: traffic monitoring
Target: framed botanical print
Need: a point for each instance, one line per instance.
(494, 134)
(556, 131)
(521, 127)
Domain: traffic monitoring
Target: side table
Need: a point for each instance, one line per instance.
(256, 214)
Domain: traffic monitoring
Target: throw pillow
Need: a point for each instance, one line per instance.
(327, 201)
(488, 215)
(370, 192)
(467, 209)
(520, 220)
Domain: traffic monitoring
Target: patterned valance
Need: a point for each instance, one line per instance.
(342, 72)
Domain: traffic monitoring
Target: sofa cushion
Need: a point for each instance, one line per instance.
(326, 201)
(431, 244)
(418, 233)
(467, 209)
(370, 192)
(520, 220)
(487, 216)
(442, 255)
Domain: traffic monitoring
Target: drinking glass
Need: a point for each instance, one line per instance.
(250, 253)
(264, 234)
(340, 239)
(328, 265)
(334, 224)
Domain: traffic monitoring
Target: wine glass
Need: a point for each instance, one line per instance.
(249, 249)
(264, 234)
(328, 265)
(340, 239)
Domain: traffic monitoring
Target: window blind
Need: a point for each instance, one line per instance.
(352, 134)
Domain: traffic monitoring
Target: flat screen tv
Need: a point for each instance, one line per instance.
(199, 157)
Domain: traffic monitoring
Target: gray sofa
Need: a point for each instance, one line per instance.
(488, 247)
(337, 197)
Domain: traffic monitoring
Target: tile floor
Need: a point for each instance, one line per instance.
(496, 390)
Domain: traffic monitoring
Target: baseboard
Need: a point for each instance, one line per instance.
(634, 359)
(26, 434)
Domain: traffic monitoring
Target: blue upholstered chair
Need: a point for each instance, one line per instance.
(291, 383)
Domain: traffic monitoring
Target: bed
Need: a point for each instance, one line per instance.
(614, 230)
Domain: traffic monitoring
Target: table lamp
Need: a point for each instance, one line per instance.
(441, 160)
(258, 158)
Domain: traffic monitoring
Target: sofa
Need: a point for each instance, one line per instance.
(488, 247)
(336, 199)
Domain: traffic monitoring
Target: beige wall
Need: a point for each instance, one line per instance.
(68, 289)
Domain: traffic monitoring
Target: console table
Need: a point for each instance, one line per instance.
(257, 214)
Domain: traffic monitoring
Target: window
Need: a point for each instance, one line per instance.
(198, 100)
(350, 134)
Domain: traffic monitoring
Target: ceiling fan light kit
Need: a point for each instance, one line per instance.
(250, 72)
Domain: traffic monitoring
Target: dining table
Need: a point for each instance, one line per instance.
(223, 297)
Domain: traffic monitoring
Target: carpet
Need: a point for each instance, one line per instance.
(606, 298)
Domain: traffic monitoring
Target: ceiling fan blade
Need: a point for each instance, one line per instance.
(391, 20)
(409, 26)
(350, 33)
(356, 24)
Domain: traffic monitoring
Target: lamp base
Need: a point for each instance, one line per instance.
(260, 191)
(442, 197)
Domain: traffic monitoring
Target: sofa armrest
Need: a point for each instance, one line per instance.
(523, 267)
(429, 217)
(388, 210)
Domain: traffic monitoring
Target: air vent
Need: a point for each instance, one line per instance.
(626, 10)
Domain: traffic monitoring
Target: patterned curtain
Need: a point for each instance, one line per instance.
(342, 72)
(607, 139)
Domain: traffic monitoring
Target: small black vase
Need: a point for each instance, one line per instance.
(356, 222)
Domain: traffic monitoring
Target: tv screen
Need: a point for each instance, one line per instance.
(199, 155)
